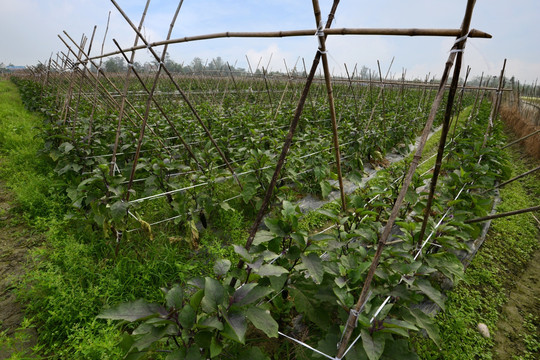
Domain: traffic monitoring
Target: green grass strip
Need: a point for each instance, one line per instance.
(509, 245)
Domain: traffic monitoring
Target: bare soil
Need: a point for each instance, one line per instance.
(523, 300)
(15, 242)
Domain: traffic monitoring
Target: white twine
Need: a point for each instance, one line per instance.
(309, 347)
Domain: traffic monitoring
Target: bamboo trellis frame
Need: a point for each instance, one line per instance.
(322, 32)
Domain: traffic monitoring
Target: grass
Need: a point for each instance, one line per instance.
(75, 273)
(480, 297)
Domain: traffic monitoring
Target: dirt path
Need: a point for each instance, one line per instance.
(523, 301)
(15, 241)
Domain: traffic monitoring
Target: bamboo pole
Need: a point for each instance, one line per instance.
(92, 112)
(521, 139)
(495, 106)
(353, 316)
(286, 145)
(149, 104)
(445, 129)
(124, 96)
(328, 81)
(309, 32)
(137, 114)
(509, 213)
(182, 93)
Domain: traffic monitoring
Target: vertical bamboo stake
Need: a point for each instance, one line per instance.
(92, 112)
(446, 127)
(124, 96)
(328, 81)
(149, 103)
(286, 145)
(495, 105)
(183, 94)
(135, 111)
(353, 316)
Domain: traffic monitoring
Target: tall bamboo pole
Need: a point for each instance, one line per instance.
(287, 144)
(182, 93)
(446, 127)
(149, 103)
(353, 316)
(328, 81)
(124, 97)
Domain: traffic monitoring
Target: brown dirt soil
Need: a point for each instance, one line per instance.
(15, 242)
(523, 300)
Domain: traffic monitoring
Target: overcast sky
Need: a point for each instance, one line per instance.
(29, 31)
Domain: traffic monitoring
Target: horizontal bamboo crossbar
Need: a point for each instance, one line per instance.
(309, 32)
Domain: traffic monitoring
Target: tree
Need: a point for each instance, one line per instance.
(115, 64)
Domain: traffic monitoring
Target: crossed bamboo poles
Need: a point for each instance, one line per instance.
(322, 33)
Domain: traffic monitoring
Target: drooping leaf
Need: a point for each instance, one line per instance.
(398, 349)
(249, 293)
(432, 293)
(373, 344)
(262, 237)
(221, 267)
(272, 270)
(313, 264)
(235, 327)
(263, 321)
(215, 347)
(212, 322)
(326, 188)
(187, 317)
(119, 210)
(132, 311)
(423, 321)
(175, 297)
(213, 295)
(240, 250)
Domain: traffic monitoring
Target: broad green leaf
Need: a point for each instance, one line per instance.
(326, 188)
(276, 226)
(434, 294)
(213, 295)
(399, 323)
(119, 210)
(263, 321)
(331, 214)
(193, 353)
(262, 237)
(132, 311)
(272, 270)
(187, 317)
(313, 264)
(425, 322)
(373, 345)
(221, 267)
(155, 334)
(236, 326)
(321, 237)
(215, 347)
(240, 250)
(446, 263)
(249, 293)
(196, 298)
(175, 297)
(212, 322)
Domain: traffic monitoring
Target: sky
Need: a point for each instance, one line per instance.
(29, 31)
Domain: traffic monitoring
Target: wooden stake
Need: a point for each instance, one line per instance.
(353, 316)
